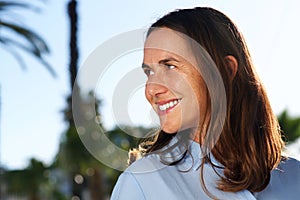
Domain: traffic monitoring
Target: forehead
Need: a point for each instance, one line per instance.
(167, 40)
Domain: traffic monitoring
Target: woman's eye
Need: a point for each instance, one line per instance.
(148, 72)
(170, 66)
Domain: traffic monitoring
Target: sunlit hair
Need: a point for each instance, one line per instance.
(250, 144)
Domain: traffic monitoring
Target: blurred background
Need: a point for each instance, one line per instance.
(43, 43)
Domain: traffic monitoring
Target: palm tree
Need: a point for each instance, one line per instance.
(289, 125)
(73, 156)
(76, 160)
(27, 182)
(15, 37)
(26, 40)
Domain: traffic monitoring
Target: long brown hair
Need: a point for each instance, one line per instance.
(250, 144)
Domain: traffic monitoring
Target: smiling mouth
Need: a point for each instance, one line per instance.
(168, 105)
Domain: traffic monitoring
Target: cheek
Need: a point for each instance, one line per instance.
(203, 102)
(148, 97)
(200, 93)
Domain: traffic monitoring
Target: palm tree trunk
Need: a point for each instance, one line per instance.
(72, 11)
(95, 182)
(76, 188)
(34, 196)
(73, 41)
(96, 186)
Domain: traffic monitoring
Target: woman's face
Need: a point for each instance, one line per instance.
(174, 88)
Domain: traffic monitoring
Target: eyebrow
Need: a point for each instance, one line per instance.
(163, 61)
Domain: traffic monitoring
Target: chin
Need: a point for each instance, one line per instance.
(169, 130)
(170, 125)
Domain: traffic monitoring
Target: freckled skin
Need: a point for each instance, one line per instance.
(175, 78)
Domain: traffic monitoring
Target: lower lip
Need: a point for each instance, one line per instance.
(168, 110)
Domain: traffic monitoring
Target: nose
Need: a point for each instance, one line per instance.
(154, 88)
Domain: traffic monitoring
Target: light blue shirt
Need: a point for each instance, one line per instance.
(150, 179)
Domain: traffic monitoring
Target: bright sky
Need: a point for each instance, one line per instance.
(31, 100)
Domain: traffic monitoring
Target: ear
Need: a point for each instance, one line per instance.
(232, 64)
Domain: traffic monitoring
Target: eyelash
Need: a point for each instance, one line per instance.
(150, 72)
(170, 66)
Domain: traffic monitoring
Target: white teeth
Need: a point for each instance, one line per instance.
(171, 104)
(168, 105)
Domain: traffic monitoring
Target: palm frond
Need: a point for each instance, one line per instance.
(38, 44)
(5, 5)
(8, 43)
(34, 44)
(15, 54)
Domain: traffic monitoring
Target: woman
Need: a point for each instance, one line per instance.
(219, 137)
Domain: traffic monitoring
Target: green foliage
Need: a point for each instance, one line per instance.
(19, 37)
(120, 137)
(74, 157)
(31, 182)
(290, 126)
(27, 180)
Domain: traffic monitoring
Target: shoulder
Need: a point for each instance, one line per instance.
(287, 172)
(288, 166)
(287, 176)
(131, 183)
(127, 188)
(284, 182)
(149, 163)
